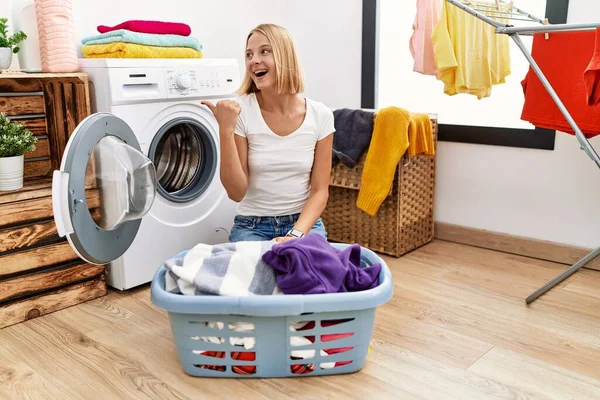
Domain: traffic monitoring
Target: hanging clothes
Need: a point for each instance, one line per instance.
(591, 76)
(421, 44)
(563, 59)
(469, 55)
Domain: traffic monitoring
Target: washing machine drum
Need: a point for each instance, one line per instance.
(184, 154)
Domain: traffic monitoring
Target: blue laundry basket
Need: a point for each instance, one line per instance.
(203, 329)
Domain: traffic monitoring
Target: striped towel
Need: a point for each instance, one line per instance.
(228, 269)
(148, 39)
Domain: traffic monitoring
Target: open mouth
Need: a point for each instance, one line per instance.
(260, 73)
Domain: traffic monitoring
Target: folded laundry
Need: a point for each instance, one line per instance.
(228, 269)
(148, 39)
(353, 130)
(311, 265)
(144, 26)
(134, 50)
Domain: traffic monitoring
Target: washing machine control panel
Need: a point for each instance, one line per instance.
(186, 82)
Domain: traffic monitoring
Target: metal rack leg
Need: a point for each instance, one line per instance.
(562, 276)
(585, 145)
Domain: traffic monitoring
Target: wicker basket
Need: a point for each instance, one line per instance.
(404, 220)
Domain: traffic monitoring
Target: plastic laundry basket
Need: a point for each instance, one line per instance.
(340, 324)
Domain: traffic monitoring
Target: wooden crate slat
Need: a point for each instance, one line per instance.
(36, 168)
(25, 309)
(70, 109)
(81, 103)
(44, 75)
(26, 236)
(53, 278)
(38, 257)
(38, 209)
(56, 122)
(24, 84)
(42, 149)
(22, 105)
(36, 125)
(34, 188)
(21, 212)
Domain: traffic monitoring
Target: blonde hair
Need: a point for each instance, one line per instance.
(289, 76)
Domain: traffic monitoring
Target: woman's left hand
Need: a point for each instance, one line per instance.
(284, 239)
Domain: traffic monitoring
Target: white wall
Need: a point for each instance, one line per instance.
(547, 195)
(328, 33)
(525, 192)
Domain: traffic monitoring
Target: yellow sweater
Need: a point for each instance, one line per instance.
(420, 136)
(388, 143)
(396, 132)
(469, 55)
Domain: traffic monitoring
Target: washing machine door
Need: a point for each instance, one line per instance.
(104, 187)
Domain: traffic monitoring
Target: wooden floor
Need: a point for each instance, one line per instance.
(457, 328)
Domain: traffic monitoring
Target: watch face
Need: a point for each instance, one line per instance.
(296, 233)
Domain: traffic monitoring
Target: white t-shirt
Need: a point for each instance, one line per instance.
(279, 167)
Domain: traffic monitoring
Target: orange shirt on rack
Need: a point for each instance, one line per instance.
(563, 59)
(591, 76)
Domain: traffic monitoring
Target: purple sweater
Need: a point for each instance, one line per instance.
(310, 265)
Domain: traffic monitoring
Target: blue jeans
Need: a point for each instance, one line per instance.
(252, 228)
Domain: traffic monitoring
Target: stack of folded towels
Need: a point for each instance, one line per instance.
(142, 39)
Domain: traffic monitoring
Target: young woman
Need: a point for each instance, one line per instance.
(275, 144)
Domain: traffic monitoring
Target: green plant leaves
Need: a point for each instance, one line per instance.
(10, 41)
(15, 139)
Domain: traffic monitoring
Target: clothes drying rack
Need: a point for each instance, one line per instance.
(488, 11)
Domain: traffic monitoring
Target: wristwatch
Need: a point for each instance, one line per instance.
(295, 233)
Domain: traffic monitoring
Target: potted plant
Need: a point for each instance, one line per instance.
(15, 141)
(8, 44)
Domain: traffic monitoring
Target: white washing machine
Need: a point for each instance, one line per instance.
(139, 180)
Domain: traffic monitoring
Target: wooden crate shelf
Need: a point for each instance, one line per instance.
(39, 272)
(51, 106)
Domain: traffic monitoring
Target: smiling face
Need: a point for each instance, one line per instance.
(271, 62)
(260, 62)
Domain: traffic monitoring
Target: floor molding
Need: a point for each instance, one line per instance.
(540, 249)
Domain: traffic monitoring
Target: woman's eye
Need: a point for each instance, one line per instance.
(265, 51)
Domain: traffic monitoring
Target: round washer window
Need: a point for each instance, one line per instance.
(185, 157)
